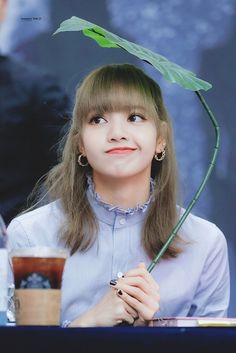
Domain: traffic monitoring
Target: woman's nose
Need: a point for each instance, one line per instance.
(117, 131)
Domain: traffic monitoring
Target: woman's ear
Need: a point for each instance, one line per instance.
(162, 136)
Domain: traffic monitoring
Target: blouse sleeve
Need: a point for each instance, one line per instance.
(17, 236)
(212, 294)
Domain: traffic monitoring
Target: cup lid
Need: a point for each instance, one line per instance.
(40, 251)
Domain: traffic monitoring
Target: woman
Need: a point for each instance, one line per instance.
(114, 205)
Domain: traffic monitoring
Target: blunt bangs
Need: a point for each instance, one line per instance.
(117, 88)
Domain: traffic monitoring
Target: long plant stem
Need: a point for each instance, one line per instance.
(200, 189)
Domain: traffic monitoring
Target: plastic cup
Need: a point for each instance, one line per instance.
(37, 276)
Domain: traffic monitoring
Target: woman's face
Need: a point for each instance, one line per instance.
(120, 144)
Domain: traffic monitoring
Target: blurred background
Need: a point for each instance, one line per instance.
(199, 35)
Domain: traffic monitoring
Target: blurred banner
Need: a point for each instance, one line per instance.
(25, 20)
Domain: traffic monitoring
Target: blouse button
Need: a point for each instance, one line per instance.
(122, 221)
(120, 274)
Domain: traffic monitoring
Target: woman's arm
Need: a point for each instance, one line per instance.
(110, 311)
(212, 294)
(133, 299)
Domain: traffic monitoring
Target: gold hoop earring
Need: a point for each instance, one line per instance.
(80, 160)
(157, 158)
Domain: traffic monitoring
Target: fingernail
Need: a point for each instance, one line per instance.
(113, 282)
(120, 292)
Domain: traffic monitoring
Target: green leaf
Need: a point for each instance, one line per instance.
(171, 71)
(99, 37)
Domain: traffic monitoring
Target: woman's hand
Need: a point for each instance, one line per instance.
(110, 311)
(140, 291)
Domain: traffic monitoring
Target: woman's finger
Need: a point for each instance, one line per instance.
(138, 282)
(146, 311)
(140, 271)
(130, 310)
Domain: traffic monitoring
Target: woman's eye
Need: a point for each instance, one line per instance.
(97, 120)
(136, 118)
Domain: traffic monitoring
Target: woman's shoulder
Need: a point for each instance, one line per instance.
(202, 240)
(200, 230)
(52, 210)
(36, 227)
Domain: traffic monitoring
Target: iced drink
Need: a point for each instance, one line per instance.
(37, 276)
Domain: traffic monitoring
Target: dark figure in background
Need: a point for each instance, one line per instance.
(33, 112)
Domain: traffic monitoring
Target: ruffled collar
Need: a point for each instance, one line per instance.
(109, 207)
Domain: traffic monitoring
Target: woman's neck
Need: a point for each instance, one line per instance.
(123, 193)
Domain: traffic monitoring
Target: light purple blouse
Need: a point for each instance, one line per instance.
(196, 283)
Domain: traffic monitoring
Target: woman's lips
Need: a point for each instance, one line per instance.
(121, 150)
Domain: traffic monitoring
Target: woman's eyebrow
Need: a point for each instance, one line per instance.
(138, 108)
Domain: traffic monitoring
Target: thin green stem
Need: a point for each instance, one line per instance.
(199, 190)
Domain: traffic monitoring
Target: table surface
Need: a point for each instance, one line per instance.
(44, 339)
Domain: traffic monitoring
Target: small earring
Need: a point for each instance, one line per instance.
(157, 158)
(80, 160)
